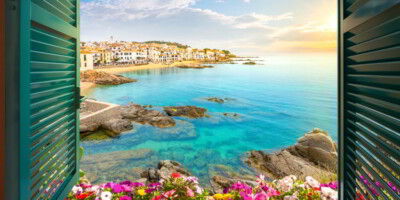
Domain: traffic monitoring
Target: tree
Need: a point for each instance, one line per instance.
(226, 52)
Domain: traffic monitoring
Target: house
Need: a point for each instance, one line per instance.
(86, 60)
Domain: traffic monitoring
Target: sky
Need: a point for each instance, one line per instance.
(245, 27)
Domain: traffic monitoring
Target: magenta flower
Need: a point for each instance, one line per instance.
(190, 192)
(117, 189)
(126, 188)
(125, 198)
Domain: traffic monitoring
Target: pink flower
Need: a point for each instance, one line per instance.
(190, 192)
(125, 198)
(169, 193)
(117, 189)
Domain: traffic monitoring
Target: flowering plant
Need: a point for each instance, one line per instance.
(187, 188)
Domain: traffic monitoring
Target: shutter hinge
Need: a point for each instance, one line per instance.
(78, 97)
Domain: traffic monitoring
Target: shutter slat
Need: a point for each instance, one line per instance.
(48, 66)
(388, 68)
(39, 96)
(51, 57)
(42, 105)
(392, 96)
(388, 108)
(375, 115)
(386, 41)
(378, 31)
(371, 171)
(376, 80)
(54, 75)
(49, 120)
(48, 85)
(380, 55)
(49, 48)
(56, 10)
(41, 35)
(45, 113)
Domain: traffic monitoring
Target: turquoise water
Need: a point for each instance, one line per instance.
(277, 101)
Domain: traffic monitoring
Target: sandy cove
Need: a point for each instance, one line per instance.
(127, 68)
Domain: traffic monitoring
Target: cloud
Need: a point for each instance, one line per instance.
(133, 9)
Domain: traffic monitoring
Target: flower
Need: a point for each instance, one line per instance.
(260, 178)
(190, 192)
(329, 193)
(125, 198)
(82, 196)
(311, 182)
(191, 179)
(218, 196)
(176, 175)
(117, 188)
(95, 189)
(199, 190)
(227, 196)
(169, 193)
(141, 192)
(77, 190)
(106, 195)
(156, 198)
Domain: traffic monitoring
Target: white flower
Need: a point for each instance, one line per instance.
(76, 189)
(96, 189)
(261, 178)
(328, 193)
(311, 182)
(106, 196)
(199, 190)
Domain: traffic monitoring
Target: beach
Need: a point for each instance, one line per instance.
(127, 68)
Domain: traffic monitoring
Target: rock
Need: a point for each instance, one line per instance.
(215, 100)
(117, 126)
(232, 115)
(103, 78)
(141, 115)
(224, 176)
(250, 63)
(313, 155)
(195, 66)
(186, 111)
(89, 127)
(164, 170)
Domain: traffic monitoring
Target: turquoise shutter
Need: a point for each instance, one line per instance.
(369, 99)
(49, 98)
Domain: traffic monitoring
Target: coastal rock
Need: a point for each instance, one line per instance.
(250, 63)
(117, 126)
(232, 115)
(313, 155)
(186, 111)
(104, 78)
(139, 114)
(195, 66)
(89, 127)
(218, 100)
(164, 170)
(223, 176)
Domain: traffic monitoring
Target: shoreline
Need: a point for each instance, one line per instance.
(128, 68)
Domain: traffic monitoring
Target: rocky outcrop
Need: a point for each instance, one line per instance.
(186, 111)
(218, 100)
(112, 127)
(222, 176)
(164, 170)
(117, 126)
(313, 155)
(195, 66)
(139, 114)
(104, 78)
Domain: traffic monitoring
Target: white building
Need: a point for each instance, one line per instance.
(86, 61)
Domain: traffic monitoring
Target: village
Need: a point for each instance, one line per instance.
(110, 53)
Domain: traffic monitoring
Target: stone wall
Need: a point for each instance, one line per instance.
(97, 112)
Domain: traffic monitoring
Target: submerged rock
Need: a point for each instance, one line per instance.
(313, 155)
(232, 115)
(139, 114)
(186, 111)
(218, 100)
(104, 78)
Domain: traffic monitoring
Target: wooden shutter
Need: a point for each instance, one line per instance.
(369, 100)
(48, 98)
